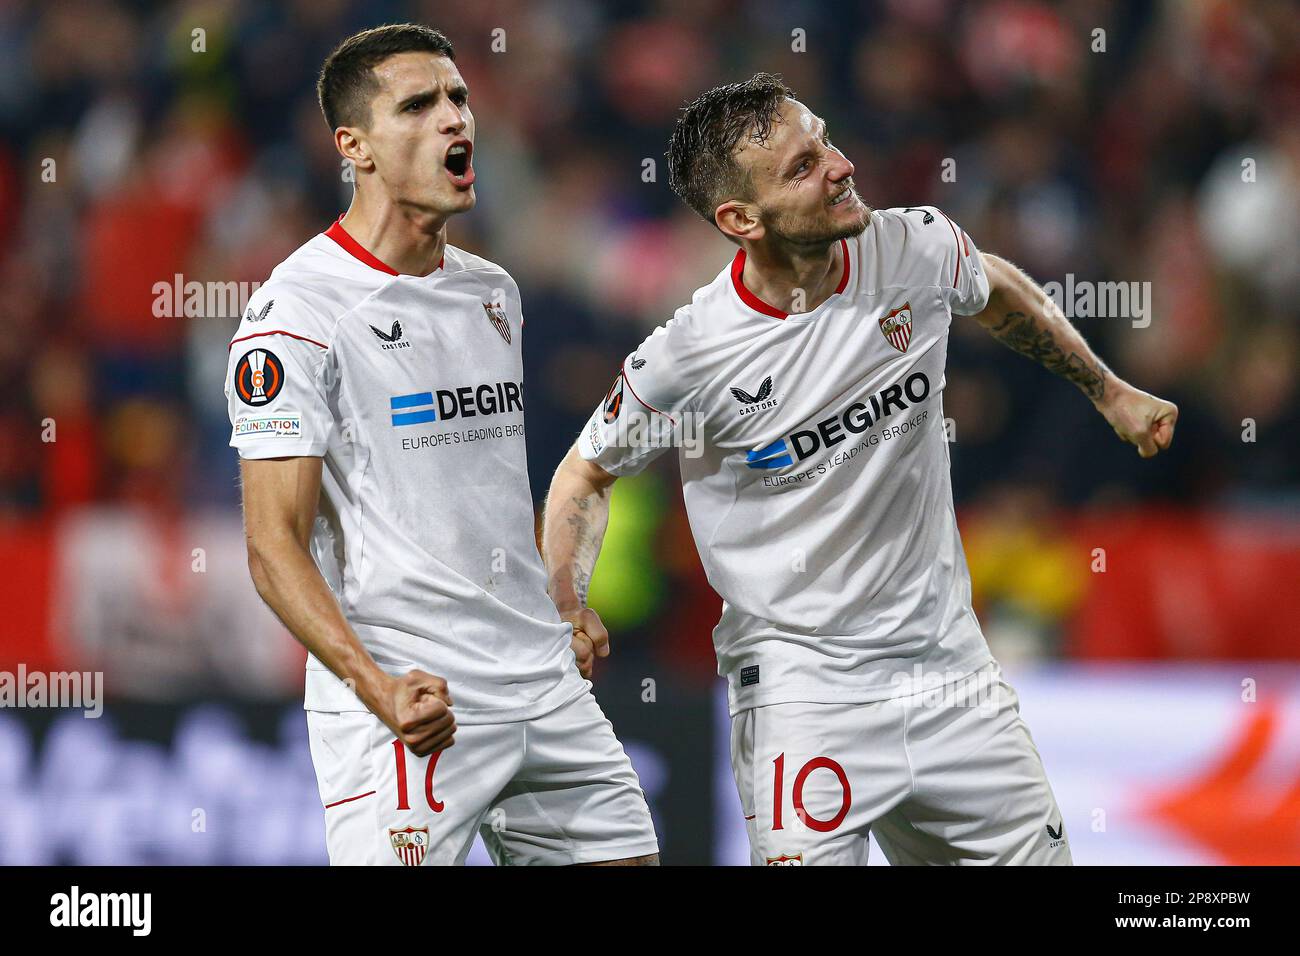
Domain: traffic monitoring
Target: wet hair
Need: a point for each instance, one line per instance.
(702, 167)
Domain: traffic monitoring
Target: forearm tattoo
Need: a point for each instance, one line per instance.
(586, 547)
(1036, 340)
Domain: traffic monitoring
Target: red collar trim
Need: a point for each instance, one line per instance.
(844, 279)
(747, 297)
(757, 304)
(358, 251)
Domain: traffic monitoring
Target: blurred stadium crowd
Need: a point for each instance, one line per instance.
(1173, 157)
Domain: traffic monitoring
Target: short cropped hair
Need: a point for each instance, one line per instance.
(347, 82)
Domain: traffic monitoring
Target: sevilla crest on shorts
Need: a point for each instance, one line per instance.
(410, 844)
(897, 326)
(497, 316)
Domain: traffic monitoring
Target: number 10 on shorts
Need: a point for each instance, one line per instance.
(403, 800)
(812, 822)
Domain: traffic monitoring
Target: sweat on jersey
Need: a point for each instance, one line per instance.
(410, 388)
(815, 468)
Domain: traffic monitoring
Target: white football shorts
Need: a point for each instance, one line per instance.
(557, 789)
(948, 776)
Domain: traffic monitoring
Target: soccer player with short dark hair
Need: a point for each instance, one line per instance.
(809, 376)
(376, 400)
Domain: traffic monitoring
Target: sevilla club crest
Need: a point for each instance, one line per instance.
(897, 326)
(783, 860)
(410, 844)
(497, 316)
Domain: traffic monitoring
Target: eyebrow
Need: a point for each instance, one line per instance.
(430, 94)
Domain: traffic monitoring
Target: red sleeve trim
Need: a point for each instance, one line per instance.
(628, 382)
(244, 338)
(956, 271)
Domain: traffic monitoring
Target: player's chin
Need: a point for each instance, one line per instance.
(851, 214)
(452, 199)
(833, 230)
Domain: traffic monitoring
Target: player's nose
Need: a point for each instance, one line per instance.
(839, 167)
(453, 119)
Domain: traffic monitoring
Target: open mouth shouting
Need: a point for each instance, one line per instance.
(457, 163)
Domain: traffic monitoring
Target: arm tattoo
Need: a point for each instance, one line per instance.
(585, 547)
(1033, 339)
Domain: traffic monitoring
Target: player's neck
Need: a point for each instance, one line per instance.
(412, 244)
(793, 279)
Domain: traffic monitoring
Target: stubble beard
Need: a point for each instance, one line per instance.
(822, 233)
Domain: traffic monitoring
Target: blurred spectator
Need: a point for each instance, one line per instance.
(131, 156)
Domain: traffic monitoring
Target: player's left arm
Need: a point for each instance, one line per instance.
(1024, 318)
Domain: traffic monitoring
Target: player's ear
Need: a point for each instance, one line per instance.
(738, 220)
(353, 148)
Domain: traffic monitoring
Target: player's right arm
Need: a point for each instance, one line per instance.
(278, 399)
(636, 422)
(280, 502)
(573, 527)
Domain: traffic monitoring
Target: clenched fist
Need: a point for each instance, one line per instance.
(1140, 418)
(590, 639)
(417, 708)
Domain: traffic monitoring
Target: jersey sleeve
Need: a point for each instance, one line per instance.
(276, 394)
(643, 413)
(962, 274)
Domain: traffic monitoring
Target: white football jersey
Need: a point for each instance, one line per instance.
(815, 467)
(411, 390)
